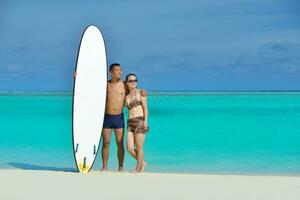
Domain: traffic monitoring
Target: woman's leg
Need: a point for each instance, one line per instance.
(139, 142)
(130, 144)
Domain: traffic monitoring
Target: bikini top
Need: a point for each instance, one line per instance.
(134, 101)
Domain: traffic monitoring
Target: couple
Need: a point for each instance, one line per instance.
(120, 93)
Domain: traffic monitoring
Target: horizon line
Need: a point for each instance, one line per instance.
(70, 91)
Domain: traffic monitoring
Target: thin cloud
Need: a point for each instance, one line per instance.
(270, 57)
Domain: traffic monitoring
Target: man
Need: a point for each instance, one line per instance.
(114, 116)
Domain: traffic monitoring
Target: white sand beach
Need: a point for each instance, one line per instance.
(29, 184)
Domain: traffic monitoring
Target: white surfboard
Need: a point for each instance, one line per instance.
(89, 98)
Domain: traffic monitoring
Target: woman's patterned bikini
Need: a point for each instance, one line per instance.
(135, 125)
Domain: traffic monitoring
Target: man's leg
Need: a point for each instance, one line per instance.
(106, 134)
(119, 133)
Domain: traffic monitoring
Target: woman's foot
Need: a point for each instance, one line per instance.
(136, 171)
(144, 165)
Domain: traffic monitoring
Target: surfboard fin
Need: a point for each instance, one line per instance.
(84, 162)
(94, 149)
(76, 149)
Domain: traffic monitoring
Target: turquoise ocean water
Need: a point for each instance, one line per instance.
(190, 132)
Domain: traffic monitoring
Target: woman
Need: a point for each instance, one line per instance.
(137, 124)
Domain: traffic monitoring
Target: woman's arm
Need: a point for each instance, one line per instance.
(144, 95)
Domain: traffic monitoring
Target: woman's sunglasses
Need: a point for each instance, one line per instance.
(132, 81)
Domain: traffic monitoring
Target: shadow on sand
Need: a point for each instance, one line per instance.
(26, 166)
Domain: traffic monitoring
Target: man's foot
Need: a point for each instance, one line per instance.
(120, 169)
(103, 169)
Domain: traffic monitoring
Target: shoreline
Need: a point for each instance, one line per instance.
(40, 184)
(70, 170)
(93, 171)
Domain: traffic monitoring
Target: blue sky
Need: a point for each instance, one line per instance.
(170, 44)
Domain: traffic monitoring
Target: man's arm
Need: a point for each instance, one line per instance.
(125, 88)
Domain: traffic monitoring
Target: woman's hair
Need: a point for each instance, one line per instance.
(126, 79)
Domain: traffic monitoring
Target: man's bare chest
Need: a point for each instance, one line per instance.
(113, 90)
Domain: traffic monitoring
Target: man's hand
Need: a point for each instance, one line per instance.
(75, 74)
